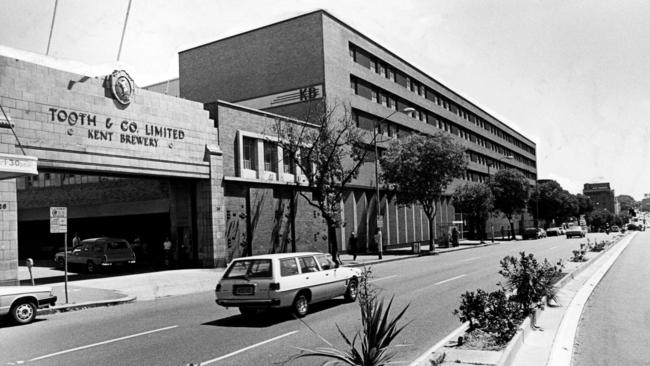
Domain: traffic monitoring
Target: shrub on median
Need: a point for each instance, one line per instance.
(499, 313)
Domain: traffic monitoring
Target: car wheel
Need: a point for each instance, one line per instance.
(247, 312)
(90, 267)
(301, 305)
(60, 262)
(23, 312)
(352, 291)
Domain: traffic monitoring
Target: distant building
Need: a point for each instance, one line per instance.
(602, 196)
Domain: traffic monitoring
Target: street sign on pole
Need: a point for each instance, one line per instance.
(59, 224)
(58, 220)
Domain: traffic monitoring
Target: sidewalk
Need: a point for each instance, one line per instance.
(118, 289)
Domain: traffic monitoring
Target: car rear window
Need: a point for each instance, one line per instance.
(117, 245)
(249, 268)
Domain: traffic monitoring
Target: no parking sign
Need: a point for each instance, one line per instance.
(58, 220)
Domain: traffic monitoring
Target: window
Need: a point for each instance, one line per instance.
(288, 163)
(391, 75)
(408, 83)
(288, 267)
(249, 152)
(373, 96)
(249, 269)
(270, 157)
(325, 262)
(373, 65)
(382, 70)
(392, 104)
(353, 86)
(308, 264)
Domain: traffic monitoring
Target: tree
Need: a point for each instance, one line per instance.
(510, 189)
(421, 167)
(546, 200)
(626, 202)
(600, 217)
(329, 152)
(477, 201)
(585, 205)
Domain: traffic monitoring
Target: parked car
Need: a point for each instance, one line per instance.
(575, 231)
(59, 257)
(99, 252)
(21, 302)
(534, 233)
(287, 280)
(554, 231)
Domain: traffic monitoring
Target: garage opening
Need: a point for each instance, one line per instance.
(143, 210)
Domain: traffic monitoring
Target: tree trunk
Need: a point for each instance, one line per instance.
(432, 246)
(512, 229)
(333, 243)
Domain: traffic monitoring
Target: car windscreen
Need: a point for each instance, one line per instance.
(249, 268)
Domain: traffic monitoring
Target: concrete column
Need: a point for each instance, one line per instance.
(211, 220)
(8, 233)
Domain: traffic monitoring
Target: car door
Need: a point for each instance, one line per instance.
(78, 255)
(333, 286)
(313, 278)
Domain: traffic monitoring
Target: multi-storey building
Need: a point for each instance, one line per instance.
(287, 67)
(602, 196)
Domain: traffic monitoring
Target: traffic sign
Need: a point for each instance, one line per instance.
(58, 220)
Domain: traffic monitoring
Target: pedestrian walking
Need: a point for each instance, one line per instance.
(378, 241)
(352, 245)
(76, 241)
(454, 237)
(167, 247)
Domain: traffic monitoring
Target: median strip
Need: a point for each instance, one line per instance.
(102, 343)
(247, 348)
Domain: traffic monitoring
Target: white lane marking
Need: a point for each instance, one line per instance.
(104, 342)
(470, 259)
(449, 279)
(247, 348)
(382, 278)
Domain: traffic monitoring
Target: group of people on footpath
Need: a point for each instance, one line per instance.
(353, 248)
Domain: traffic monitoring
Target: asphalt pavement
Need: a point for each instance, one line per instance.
(176, 330)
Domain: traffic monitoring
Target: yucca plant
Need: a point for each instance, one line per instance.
(370, 346)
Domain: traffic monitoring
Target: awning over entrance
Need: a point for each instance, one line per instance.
(12, 166)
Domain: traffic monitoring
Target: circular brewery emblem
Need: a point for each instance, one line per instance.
(122, 86)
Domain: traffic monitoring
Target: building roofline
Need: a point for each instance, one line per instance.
(259, 112)
(376, 44)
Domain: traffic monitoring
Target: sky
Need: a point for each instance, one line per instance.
(573, 76)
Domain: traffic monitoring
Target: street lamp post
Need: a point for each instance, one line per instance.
(380, 242)
(508, 157)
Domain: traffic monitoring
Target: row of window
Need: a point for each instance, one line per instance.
(249, 152)
(378, 95)
(58, 179)
(384, 69)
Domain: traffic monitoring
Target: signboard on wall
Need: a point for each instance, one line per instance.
(299, 95)
(12, 166)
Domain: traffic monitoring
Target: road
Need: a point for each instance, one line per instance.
(184, 329)
(615, 323)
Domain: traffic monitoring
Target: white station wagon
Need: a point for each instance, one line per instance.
(287, 280)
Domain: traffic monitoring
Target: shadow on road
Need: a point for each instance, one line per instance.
(271, 317)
